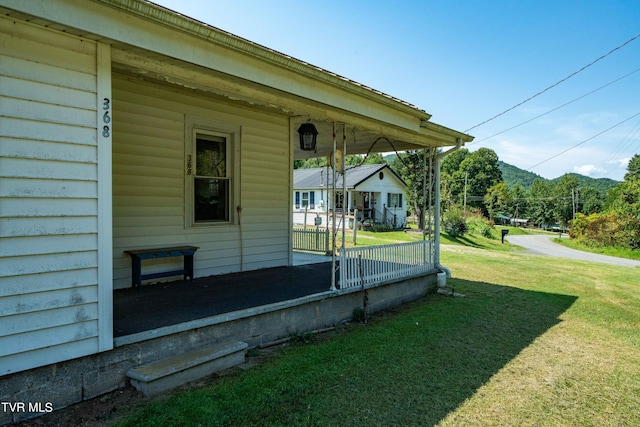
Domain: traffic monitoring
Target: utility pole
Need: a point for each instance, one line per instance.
(466, 178)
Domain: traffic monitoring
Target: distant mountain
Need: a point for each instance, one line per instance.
(600, 184)
(513, 175)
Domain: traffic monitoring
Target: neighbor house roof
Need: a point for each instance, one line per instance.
(354, 175)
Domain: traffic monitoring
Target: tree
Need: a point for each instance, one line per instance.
(410, 166)
(315, 162)
(498, 200)
(619, 224)
(564, 194)
(470, 173)
(452, 178)
(627, 201)
(481, 171)
(358, 159)
(633, 169)
(540, 202)
(589, 200)
(519, 203)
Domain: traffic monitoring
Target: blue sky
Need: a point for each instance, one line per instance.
(467, 61)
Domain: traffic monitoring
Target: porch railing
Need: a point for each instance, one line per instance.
(316, 240)
(375, 264)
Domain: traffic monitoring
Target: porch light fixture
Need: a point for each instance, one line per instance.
(308, 136)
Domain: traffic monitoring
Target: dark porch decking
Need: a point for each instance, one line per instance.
(164, 304)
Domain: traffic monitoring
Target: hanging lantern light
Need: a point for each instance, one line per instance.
(308, 135)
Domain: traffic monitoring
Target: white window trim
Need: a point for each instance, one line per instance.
(233, 133)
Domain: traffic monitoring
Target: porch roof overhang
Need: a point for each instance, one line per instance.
(155, 43)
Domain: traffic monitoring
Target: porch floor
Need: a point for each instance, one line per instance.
(164, 304)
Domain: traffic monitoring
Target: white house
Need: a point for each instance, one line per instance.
(125, 126)
(374, 191)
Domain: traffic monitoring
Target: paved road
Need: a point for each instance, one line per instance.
(541, 244)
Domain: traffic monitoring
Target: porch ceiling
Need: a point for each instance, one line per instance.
(378, 138)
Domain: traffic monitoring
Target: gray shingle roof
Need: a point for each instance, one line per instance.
(317, 177)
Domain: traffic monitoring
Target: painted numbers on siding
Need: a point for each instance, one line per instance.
(106, 118)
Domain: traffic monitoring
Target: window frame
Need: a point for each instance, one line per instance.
(193, 128)
(391, 196)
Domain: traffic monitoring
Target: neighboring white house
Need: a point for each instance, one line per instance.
(375, 191)
(124, 125)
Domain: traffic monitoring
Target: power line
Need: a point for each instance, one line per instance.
(627, 143)
(555, 84)
(557, 108)
(586, 140)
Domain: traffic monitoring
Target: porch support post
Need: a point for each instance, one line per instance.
(346, 202)
(423, 220)
(104, 132)
(439, 158)
(333, 214)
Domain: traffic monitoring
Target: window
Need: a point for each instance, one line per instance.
(212, 151)
(297, 200)
(211, 180)
(394, 200)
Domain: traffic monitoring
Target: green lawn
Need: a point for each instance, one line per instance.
(536, 341)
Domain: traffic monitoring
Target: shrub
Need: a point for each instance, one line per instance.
(607, 229)
(478, 224)
(454, 223)
(358, 315)
(380, 227)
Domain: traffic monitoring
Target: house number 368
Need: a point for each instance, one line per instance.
(106, 106)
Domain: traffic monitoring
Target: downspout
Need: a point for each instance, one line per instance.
(439, 158)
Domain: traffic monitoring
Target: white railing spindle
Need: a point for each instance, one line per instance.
(386, 262)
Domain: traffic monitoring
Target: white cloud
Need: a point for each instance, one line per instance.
(589, 170)
(623, 163)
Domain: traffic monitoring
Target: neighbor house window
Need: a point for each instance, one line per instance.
(211, 180)
(394, 200)
(305, 199)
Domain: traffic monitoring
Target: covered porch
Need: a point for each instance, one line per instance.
(162, 309)
(172, 306)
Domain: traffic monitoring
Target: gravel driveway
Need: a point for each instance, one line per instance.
(541, 244)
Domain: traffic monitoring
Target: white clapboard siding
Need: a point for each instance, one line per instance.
(50, 281)
(149, 186)
(48, 196)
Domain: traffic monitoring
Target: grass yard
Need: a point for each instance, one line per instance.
(536, 341)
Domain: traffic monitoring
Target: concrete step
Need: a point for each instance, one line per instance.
(162, 375)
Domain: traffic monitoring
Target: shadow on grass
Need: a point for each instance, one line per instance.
(464, 241)
(476, 336)
(414, 365)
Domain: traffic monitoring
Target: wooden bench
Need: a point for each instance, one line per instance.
(138, 255)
